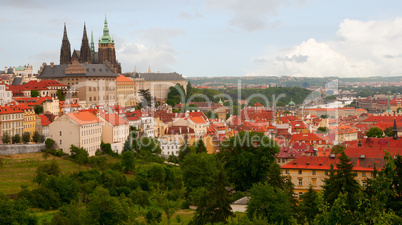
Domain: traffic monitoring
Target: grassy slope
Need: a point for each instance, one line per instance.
(20, 170)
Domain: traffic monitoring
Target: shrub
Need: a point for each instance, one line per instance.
(49, 143)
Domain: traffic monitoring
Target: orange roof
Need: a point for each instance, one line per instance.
(44, 120)
(197, 119)
(83, 118)
(32, 101)
(114, 119)
(122, 78)
(9, 110)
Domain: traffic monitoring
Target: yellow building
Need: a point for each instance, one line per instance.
(313, 170)
(125, 91)
(11, 120)
(29, 119)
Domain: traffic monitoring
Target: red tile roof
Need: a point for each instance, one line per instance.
(32, 101)
(83, 118)
(114, 119)
(44, 120)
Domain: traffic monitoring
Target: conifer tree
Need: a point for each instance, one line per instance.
(200, 147)
(342, 180)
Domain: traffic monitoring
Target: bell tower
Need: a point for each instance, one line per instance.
(85, 51)
(106, 49)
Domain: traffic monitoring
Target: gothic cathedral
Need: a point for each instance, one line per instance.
(106, 50)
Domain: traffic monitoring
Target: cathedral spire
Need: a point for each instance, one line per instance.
(65, 33)
(92, 43)
(388, 106)
(85, 51)
(149, 69)
(65, 51)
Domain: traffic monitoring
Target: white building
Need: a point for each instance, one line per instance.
(115, 130)
(81, 129)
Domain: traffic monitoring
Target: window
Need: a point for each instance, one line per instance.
(300, 194)
(279, 161)
(283, 160)
(60, 141)
(313, 172)
(287, 171)
(326, 172)
(363, 174)
(372, 174)
(60, 135)
(364, 184)
(300, 172)
(314, 181)
(300, 182)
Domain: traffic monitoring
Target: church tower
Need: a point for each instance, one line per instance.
(106, 50)
(85, 52)
(65, 51)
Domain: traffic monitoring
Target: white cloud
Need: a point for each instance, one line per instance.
(154, 48)
(159, 35)
(189, 16)
(138, 55)
(252, 15)
(361, 48)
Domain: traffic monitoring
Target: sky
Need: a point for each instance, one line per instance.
(204, 38)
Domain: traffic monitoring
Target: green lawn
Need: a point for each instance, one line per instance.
(20, 170)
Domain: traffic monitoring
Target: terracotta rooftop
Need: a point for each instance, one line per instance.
(83, 118)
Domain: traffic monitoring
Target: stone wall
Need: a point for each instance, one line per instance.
(20, 149)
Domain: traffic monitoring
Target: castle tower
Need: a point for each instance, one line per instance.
(85, 52)
(65, 51)
(395, 131)
(106, 49)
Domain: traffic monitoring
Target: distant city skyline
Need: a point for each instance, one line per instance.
(215, 37)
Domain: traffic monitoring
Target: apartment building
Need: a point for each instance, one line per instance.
(82, 129)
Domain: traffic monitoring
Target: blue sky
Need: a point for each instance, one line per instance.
(216, 37)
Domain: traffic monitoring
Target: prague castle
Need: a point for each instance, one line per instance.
(106, 50)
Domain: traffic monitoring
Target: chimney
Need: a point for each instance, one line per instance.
(180, 130)
(188, 130)
(52, 64)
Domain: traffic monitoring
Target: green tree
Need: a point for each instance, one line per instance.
(308, 205)
(374, 132)
(185, 149)
(171, 102)
(270, 203)
(153, 216)
(146, 97)
(36, 137)
(247, 158)
(168, 205)
(79, 155)
(38, 109)
(127, 145)
(34, 93)
(214, 206)
(388, 132)
(200, 147)
(322, 130)
(70, 214)
(342, 180)
(325, 116)
(5, 138)
(16, 139)
(104, 209)
(15, 212)
(60, 95)
(140, 198)
(26, 137)
(128, 161)
(50, 143)
(198, 171)
(46, 169)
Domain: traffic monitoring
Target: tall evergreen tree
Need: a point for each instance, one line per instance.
(200, 147)
(308, 205)
(214, 207)
(342, 180)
